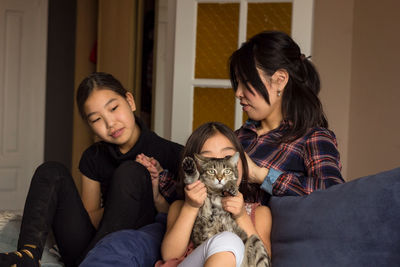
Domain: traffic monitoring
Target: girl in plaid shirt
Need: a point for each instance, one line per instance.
(290, 150)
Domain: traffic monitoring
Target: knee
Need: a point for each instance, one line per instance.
(130, 173)
(226, 242)
(51, 172)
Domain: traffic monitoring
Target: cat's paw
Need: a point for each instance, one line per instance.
(190, 170)
(189, 166)
(231, 189)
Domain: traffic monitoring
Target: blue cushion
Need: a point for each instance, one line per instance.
(352, 224)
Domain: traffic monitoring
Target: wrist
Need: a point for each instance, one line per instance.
(261, 173)
(191, 207)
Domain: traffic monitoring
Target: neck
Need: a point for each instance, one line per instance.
(270, 123)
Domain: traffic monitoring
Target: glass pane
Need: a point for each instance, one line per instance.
(216, 39)
(213, 104)
(268, 16)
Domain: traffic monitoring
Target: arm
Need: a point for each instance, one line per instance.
(181, 218)
(91, 199)
(322, 164)
(263, 225)
(155, 169)
(263, 222)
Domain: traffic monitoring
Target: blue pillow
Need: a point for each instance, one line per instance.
(351, 224)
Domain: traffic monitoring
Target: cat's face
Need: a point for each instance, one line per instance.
(216, 172)
(219, 146)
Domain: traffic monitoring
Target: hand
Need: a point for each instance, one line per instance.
(154, 168)
(234, 205)
(256, 173)
(151, 164)
(195, 194)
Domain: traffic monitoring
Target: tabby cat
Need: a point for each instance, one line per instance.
(220, 177)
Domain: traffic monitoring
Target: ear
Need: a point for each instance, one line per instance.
(280, 78)
(234, 159)
(131, 100)
(200, 160)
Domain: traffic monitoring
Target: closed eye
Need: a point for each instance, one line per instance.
(114, 108)
(95, 120)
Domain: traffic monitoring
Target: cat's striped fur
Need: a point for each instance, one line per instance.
(220, 176)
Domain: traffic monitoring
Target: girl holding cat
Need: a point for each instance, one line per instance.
(290, 149)
(213, 140)
(117, 192)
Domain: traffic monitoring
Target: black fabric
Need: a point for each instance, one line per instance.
(100, 160)
(53, 200)
(129, 204)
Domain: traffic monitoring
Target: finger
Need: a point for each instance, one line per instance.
(192, 185)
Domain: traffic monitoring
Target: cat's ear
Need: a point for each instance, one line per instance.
(200, 160)
(234, 158)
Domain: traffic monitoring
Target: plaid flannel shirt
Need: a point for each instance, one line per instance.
(296, 168)
(167, 186)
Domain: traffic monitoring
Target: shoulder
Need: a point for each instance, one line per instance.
(321, 137)
(323, 133)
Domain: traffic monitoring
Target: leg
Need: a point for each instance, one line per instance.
(129, 203)
(216, 251)
(133, 248)
(54, 201)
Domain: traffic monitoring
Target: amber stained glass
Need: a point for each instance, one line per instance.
(213, 104)
(268, 16)
(216, 39)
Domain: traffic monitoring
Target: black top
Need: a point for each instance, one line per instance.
(99, 161)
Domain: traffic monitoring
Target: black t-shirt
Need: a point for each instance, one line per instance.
(99, 161)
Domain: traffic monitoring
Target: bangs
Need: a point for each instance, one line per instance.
(243, 69)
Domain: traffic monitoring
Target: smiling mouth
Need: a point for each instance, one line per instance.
(117, 133)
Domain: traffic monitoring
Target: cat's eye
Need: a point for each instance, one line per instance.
(227, 171)
(211, 172)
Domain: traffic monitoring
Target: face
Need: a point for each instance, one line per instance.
(255, 105)
(111, 117)
(219, 146)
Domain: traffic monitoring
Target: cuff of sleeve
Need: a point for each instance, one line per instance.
(271, 177)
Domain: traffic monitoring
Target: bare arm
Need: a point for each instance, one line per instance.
(91, 199)
(263, 224)
(263, 221)
(181, 218)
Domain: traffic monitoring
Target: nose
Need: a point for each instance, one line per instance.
(109, 121)
(239, 92)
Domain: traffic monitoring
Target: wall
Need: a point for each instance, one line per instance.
(374, 136)
(356, 51)
(332, 45)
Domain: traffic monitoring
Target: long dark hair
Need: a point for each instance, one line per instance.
(271, 51)
(194, 145)
(97, 81)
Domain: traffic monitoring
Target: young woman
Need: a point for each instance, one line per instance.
(214, 140)
(290, 149)
(117, 192)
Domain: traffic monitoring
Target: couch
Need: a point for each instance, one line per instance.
(352, 224)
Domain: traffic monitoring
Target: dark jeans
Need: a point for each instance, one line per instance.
(134, 248)
(53, 202)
